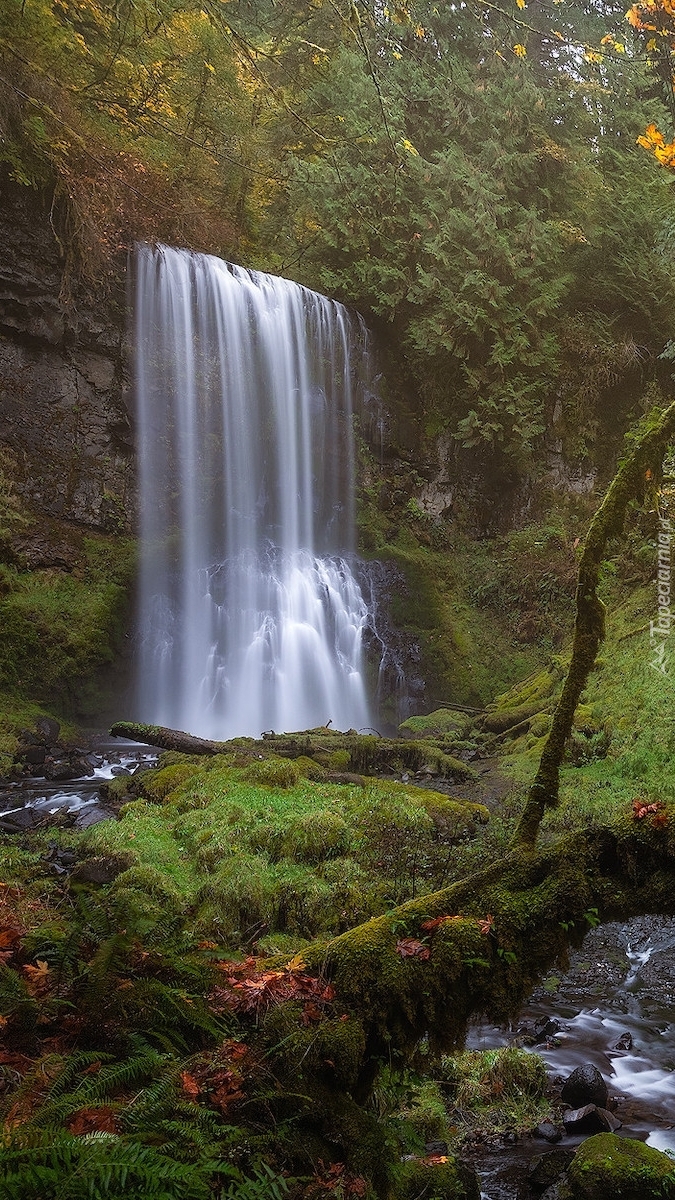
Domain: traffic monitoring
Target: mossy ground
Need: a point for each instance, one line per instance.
(623, 743)
(62, 631)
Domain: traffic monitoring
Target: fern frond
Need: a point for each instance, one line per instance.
(99, 1168)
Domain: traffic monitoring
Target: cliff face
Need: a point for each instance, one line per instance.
(64, 385)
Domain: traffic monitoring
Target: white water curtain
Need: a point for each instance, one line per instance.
(249, 615)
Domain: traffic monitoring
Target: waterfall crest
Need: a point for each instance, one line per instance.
(249, 615)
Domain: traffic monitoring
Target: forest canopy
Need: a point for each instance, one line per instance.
(468, 176)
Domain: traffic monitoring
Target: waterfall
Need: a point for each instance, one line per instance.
(249, 615)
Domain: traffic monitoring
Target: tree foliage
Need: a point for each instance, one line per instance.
(468, 177)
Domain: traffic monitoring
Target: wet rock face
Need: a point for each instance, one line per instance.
(63, 382)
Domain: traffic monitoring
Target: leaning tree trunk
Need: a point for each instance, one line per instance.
(645, 455)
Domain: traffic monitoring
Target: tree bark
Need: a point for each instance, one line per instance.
(644, 455)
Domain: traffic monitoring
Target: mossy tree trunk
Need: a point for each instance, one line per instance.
(644, 460)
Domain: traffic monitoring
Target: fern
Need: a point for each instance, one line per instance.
(100, 1167)
(94, 1089)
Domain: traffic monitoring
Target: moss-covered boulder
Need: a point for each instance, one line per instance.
(450, 1180)
(436, 724)
(607, 1167)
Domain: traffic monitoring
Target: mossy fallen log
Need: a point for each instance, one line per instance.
(166, 739)
(360, 754)
(426, 968)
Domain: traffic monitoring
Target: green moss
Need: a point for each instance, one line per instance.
(157, 785)
(154, 883)
(274, 772)
(61, 628)
(606, 1167)
(435, 724)
(438, 1181)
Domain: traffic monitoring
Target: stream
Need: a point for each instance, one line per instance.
(79, 798)
(618, 992)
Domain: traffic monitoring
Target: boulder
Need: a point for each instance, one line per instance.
(547, 1131)
(93, 814)
(625, 1042)
(19, 821)
(590, 1119)
(545, 1169)
(48, 729)
(606, 1167)
(584, 1086)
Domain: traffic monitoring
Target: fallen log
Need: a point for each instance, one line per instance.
(166, 739)
(361, 754)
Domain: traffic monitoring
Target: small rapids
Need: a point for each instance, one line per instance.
(77, 796)
(621, 982)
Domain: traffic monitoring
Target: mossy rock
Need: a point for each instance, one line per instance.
(452, 1180)
(607, 1167)
(310, 769)
(541, 725)
(157, 785)
(314, 838)
(435, 724)
(502, 719)
(273, 772)
(149, 881)
(586, 721)
(452, 818)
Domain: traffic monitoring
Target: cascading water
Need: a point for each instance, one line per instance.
(250, 616)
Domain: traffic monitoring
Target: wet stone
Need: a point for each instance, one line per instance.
(590, 1119)
(584, 1086)
(625, 1042)
(545, 1169)
(544, 1028)
(93, 815)
(547, 1131)
(17, 822)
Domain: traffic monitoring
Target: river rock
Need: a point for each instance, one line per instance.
(590, 1119)
(625, 1042)
(545, 1169)
(93, 814)
(584, 1086)
(19, 821)
(548, 1131)
(544, 1028)
(48, 729)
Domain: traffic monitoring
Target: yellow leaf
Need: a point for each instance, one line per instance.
(593, 56)
(210, 68)
(651, 44)
(520, 3)
(420, 31)
(409, 147)
(520, 50)
(297, 963)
